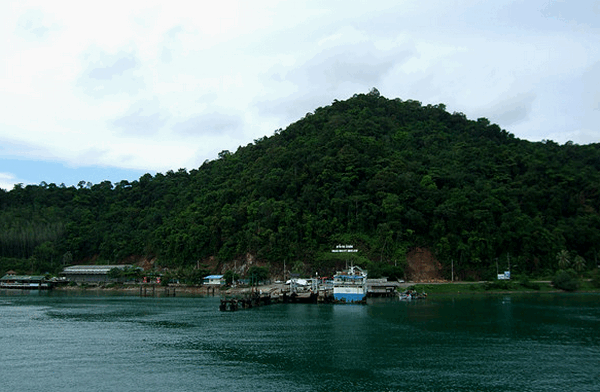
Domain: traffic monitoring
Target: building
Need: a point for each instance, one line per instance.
(93, 273)
(31, 282)
(216, 280)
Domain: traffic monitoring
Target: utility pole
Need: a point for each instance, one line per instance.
(496, 266)
(452, 270)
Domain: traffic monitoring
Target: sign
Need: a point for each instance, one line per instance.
(344, 249)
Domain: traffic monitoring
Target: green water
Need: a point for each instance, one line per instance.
(87, 342)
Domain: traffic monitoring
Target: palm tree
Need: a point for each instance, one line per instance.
(563, 258)
(579, 263)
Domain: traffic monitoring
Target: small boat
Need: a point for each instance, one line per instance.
(350, 286)
(409, 295)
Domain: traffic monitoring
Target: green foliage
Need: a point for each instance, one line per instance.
(380, 270)
(566, 280)
(578, 263)
(563, 259)
(498, 285)
(192, 276)
(383, 174)
(526, 283)
(125, 274)
(257, 274)
(230, 277)
(595, 279)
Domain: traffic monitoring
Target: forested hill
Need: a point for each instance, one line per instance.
(385, 175)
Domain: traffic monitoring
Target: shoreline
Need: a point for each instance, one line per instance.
(208, 291)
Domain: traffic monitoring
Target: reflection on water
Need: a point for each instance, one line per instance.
(462, 343)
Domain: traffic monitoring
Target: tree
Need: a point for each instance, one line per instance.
(563, 259)
(115, 273)
(257, 274)
(578, 263)
(566, 280)
(230, 277)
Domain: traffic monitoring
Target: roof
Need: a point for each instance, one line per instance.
(93, 269)
(24, 277)
(214, 277)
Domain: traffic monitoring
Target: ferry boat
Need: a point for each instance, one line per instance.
(350, 286)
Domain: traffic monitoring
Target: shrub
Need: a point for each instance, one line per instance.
(525, 282)
(566, 280)
(498, 285)
(595, 281)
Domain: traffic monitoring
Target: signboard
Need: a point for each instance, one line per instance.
(344, 249)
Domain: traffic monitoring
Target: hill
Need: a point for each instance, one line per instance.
(386, 175)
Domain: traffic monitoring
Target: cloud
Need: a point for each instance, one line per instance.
(169, 85)
(579, 13)
(7, 181)
(591, 81)
(110, 74)
(345, 63)
(512, 110)
(142, 118)
(31, 25)
(212, 123)
(115, 69)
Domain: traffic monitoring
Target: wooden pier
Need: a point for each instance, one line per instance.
(151, 290)
(250, 301)
(255, 299)
(324, 294)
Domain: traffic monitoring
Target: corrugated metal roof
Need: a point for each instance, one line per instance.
(23, 277)
(213, 277)
(93, 269)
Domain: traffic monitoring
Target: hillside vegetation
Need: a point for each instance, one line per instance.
(385, 175)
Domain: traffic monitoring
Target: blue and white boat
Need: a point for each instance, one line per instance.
(350, 286)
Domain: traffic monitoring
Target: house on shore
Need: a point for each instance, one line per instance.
(24, 282)
(215, 280)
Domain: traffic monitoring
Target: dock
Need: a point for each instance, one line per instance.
(294, 295)
(275, 296)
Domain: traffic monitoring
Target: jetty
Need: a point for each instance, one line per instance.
(258, 298)
(293, 295)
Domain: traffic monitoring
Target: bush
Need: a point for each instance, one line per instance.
(525, 282)
(595, 279)
(498, 285)
(566, 280)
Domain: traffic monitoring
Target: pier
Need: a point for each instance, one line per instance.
(298, 295)
(151, 290)
(275, 296)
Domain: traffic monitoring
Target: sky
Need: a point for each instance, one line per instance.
(111, 90)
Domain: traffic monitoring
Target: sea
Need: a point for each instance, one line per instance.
(99, 341)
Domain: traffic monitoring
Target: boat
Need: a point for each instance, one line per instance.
(410, 295)
(350, 286)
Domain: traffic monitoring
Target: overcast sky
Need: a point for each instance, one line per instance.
(111, 90)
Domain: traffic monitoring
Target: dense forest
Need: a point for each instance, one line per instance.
(385, 175)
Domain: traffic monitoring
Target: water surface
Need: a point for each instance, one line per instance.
(65, 341)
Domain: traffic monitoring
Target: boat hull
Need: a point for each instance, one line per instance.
(349, 294)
